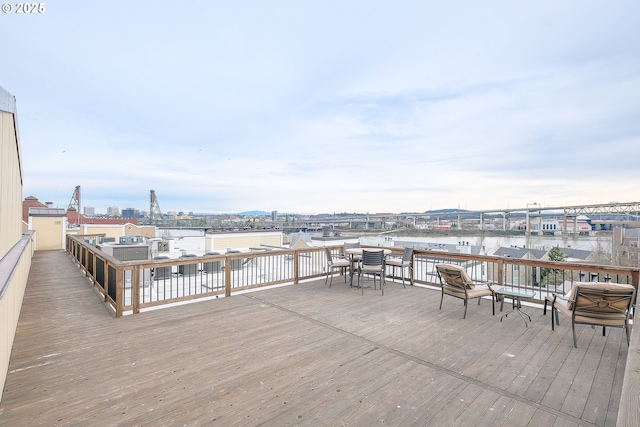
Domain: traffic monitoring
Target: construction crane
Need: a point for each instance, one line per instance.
(154, 208)
(75, 200)
(74, 205)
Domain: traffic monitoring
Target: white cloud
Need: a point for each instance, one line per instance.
(327, 106)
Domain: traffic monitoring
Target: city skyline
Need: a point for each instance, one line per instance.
(322, 107)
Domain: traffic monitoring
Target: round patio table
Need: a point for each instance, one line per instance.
(515, 294)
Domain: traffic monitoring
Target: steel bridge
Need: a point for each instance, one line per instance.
(569, 213)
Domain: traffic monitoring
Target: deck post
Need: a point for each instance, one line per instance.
(296, 268)
(135, 289)
(119, 291)
(227, 276)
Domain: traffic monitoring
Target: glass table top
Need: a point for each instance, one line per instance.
(515, 292)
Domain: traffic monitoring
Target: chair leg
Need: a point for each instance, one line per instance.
(411, 273)
(465, 309)
(441, 298)
(352, 272)
(626, 329)
(603, 331)
(552, 325)
(575, 341)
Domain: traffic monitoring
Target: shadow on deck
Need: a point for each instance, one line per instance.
(300, 355)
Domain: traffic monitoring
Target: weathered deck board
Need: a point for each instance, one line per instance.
(301, 355)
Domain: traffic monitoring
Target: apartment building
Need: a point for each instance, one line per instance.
(16, 243)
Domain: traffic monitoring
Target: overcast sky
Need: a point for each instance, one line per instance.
(327, 106)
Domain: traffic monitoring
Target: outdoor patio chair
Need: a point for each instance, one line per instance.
(372, 263)
(595, 304)
(354, 257)
(406, 261)
(455, 281)
(334, 262)
(351, 245)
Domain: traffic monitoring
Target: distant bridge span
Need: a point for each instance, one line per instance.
(631, 208)
(532, 209)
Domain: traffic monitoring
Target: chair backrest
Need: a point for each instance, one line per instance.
(407, 255)
(327, 252)
(602, 300)
(373, 258)
(454, 276)
(351, 245)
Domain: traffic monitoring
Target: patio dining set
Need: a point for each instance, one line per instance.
(368, 261)
(602, 304)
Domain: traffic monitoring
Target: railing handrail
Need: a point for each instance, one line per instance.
(567, 265)
(9, 262)
(113, 287)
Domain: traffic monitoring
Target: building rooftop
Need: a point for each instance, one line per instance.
(47, 212)
(304, 354)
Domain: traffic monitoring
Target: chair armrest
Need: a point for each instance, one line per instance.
(551, 299)
(562, 297)
(487, 283)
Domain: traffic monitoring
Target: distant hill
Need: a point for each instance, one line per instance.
(254, 213)
(445, 211)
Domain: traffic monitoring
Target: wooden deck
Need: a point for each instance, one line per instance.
(300, 355)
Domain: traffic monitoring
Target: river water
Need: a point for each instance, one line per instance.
(492, 243)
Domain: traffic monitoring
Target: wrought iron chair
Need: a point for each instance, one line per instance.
(402, 262)
(455, 282)
(595, 304)
(372, 263)
(334, 262)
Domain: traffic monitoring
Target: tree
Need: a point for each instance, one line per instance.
(553, 276)
(555, 254)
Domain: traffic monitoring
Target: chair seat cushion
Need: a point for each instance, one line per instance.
(397, 262)
(371, 268)
(477, 291)
(562, 305)
(341, 263)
